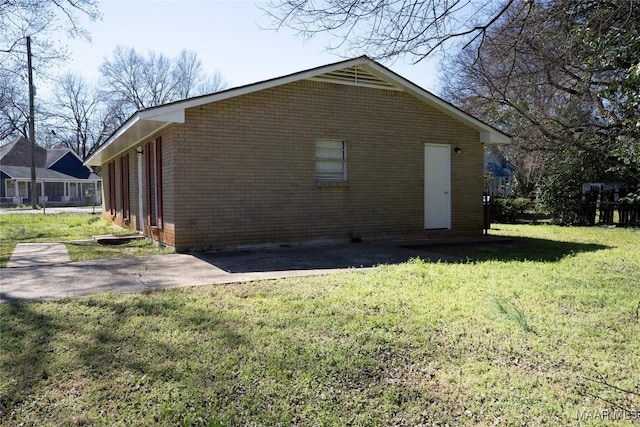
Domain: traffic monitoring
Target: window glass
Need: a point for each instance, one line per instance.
(331, 156)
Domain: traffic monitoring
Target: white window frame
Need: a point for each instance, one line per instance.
(325, 154)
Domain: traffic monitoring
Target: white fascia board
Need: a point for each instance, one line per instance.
(488, 134)
(95, 158)
(136, 129)
(10, 176)
(171, 115)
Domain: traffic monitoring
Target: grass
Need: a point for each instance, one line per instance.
(513, 313)
(542, 330)
(67, 227)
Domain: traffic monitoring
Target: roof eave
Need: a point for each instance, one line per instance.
(494, 137)
(139, 127)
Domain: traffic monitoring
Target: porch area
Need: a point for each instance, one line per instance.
(17, 192)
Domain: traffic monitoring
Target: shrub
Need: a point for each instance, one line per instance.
(560, 196)
(508, 211)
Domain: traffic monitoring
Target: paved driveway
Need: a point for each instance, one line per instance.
(40, 281)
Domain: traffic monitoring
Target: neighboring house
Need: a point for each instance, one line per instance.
(61, 178)
(346, 150)
(499, 173)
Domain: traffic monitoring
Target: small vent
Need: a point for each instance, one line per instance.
(356, 76)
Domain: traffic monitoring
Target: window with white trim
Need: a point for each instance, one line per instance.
(331, 160)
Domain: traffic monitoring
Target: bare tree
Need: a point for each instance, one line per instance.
(136, 82)
(14, 109)
(123, 76)
(80, 120)
(40, 20)
(191, 79)
(388, 28)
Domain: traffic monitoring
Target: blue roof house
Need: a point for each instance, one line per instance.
(61, 177)
(499, 173)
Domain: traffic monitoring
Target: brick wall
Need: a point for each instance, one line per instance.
(118, 217)
(163, 235)
(243, 170)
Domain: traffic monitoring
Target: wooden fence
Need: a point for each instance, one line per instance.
(600, 206)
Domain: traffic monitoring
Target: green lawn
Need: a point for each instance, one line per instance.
(543, 330)
(67, 227)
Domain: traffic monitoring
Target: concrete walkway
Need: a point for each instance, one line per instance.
(43, 271)
(37, 254)
(137, 274)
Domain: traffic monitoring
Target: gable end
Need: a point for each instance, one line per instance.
(69, 164)
(356, 76)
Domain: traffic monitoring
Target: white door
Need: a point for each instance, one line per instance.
(437, 186)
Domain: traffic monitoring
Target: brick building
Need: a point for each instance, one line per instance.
(343, 150)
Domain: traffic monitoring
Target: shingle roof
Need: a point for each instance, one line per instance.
(24, 172)
(55, 154)
(18, 153)
(15, 161)
(4, 148)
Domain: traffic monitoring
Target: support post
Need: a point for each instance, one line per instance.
(95, 197)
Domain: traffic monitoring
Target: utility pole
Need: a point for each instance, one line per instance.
(32, 128)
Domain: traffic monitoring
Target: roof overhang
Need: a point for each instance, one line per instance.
(361, 71)
(139, 127)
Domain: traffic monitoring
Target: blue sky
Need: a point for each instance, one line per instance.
(226, 35)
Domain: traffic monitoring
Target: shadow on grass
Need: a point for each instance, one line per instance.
(26, 341)
(513, 249)
(100, 339)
